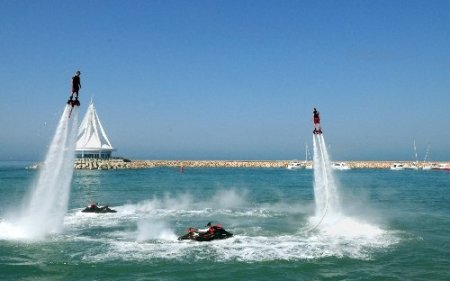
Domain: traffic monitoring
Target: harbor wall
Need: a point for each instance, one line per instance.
(99, 164)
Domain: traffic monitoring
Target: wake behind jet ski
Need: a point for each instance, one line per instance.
(94, 208)
(213, 232)
(316, 122)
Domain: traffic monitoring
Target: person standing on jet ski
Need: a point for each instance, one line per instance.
(76, 86)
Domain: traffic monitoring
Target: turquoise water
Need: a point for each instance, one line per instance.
(395, 226)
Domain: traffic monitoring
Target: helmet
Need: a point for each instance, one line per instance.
(78, 72)
(209, 224)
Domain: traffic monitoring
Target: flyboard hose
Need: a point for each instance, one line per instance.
(324, 174)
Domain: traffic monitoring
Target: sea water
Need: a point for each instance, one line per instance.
(394, 226)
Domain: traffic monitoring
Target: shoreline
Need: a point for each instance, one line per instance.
(113, 164)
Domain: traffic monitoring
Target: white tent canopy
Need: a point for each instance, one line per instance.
(92, 141)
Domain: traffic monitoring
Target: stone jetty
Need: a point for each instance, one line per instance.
(114, 164)
(93, 164)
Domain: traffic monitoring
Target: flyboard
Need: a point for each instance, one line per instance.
(73, 103)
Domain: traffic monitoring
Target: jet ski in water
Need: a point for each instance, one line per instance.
(93, 208)
(316, 121)
(212, 233)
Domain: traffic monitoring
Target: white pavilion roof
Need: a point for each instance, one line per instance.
(91, 135)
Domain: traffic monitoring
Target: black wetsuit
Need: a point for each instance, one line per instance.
(76, 84)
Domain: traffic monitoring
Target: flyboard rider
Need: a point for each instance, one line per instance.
(76, 86)
(316, 121)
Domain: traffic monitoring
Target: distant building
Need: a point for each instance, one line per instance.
(92, 141)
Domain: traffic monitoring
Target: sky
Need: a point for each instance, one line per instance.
(230, 79)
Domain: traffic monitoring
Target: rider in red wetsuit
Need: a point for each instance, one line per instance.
(316, 121)
(210, 229)
(316, 116)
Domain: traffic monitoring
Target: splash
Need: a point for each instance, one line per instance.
(154, 230)
(157, 239)
(148, 231)
(330, 218)
(46, 204)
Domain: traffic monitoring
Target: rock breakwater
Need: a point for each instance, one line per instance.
(143, 164)
(117, 164)
(113, 164)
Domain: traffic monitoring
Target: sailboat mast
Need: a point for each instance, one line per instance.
(415, 152)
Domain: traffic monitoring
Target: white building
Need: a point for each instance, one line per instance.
(92, 141)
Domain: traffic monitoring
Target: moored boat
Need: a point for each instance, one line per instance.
(397, 166)
(295, 165)
(340, 166)
(442, 166)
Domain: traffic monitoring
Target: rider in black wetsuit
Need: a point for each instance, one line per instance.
(76, 86)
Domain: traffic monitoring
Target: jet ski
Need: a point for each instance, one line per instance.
(214, 232)
(93, 208)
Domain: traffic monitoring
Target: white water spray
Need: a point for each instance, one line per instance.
(330, 217)
(325, 190)
(44, 208)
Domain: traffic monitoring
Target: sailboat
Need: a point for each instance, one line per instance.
(295, 165)
(397, 167)
(340, 166)
(414, 165)
(426, 164)
(309, 165)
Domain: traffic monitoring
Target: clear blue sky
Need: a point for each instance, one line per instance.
(230, 79)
